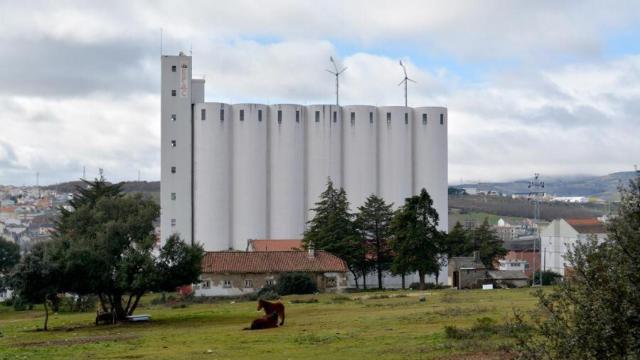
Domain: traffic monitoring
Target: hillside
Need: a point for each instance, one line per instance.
(605, 187)
(506, 206)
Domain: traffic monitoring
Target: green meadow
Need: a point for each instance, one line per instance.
(366, 325)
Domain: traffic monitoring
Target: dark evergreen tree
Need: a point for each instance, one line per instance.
(456, 243)
(332, 229)
(485, 240)
(374, 225)
(416, 238)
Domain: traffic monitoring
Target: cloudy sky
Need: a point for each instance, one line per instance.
(539, 86)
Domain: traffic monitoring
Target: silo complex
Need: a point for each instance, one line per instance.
(234, 172)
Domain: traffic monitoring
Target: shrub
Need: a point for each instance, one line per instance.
(548, 277)
(295, 283)
(428, 286)
(304, 301)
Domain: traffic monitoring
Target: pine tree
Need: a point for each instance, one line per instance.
(456, 243)
(485, 240)
(374, 225)
(416, 237)
(332, 229)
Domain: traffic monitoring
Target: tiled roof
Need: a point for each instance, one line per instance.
(275, 245)
(256, 262)
(587, 226)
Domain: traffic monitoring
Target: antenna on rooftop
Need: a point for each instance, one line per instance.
(337, 73)
(405, 81)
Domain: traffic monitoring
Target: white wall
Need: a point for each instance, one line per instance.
(395, 154)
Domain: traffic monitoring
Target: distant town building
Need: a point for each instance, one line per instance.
(561, 235)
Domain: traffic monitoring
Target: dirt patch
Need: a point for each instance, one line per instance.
(82, 340)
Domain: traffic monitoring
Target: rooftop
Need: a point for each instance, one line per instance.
(587, 226)
(241, 262)
(275, 245)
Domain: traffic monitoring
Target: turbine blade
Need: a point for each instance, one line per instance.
(343, 70)
(329, 71)
(401, 82)
(412, 80)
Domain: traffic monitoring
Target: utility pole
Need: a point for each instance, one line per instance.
(535, 194)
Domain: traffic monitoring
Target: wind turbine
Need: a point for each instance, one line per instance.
(405, 81)
(337, 73)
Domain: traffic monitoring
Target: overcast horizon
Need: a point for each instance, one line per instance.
(530, 87)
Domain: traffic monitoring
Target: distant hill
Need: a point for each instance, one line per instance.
(605, 187)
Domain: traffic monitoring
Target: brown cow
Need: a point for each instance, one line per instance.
(265, 322)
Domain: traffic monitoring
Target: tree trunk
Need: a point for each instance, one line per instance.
(46, 314)
(355, 278)
(421, 279)
(379, 276)
(135, 304)
(364, 280)
(437, 276)
(403, 287)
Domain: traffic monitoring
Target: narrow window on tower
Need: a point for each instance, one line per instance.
(279, 116)
(317, 116)
(353, 118)
(173, 117)
(173, 143)
(388, 118)
(173, 196)
(297, 116)
(221, 114)
(260, 115)
(371, 117)
(173, 93)
(173, 169)
(173, 68)
(406, 118)
(424, 119)
(441, 119)
(335, 116)
(203, 114)
(173, 222)
(242, 115)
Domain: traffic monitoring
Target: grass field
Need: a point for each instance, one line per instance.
(389, 325)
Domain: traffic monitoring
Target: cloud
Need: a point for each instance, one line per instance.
(79, 83)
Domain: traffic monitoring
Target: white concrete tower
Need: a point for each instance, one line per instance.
(176, 143)
(285, 196)
(360, 153)
(249, 185)
(395, 161)
(213, 125)
(323, 159)
(430, 157)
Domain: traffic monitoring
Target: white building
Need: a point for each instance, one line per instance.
(250, 171)
(561, 235)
